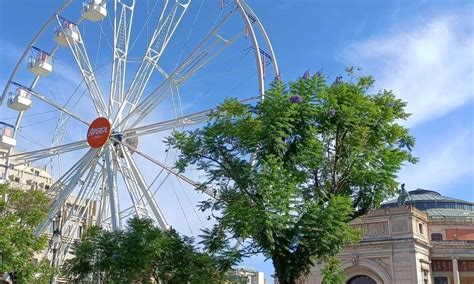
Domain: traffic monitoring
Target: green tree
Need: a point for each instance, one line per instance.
(139, 253)
(21, 211)
(292, 171)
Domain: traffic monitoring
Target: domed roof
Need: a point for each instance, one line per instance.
(424, 200)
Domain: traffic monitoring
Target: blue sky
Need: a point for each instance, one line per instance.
(423, 50)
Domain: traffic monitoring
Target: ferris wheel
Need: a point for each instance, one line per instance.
(148, 67)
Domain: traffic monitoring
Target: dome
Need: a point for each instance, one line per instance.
(425, 200)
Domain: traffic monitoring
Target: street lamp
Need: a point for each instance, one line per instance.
(1, 262)
(55, 245)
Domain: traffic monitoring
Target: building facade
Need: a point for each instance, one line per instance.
(75, 216)
(248, 276)
(429, 240)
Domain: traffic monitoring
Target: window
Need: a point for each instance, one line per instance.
(37, 173)
(441, 280)
(17, 179)
(425, 276)
(68, 230)
(420, 228)
(79, 232)
(436, 237)
(361, 279)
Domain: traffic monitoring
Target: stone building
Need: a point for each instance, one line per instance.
(76, 214)
(429, 240)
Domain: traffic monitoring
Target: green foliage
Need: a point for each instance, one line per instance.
(141, 252)
(292, 171)
(332, 273)
(21, 211)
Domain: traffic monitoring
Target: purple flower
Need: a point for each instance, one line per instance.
(338, 80)
(332, 112)
(307, 75)
(319, 74)
(278, 78)
(296, 99)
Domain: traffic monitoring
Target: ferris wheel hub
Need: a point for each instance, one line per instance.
(98, 132)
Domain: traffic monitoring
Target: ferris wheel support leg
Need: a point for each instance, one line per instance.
(104, 201)
(132, 187)
(69, 184)
(74, 219)
(112, 188)
(158, 215)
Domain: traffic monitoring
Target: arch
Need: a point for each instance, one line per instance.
(366, 267)
(361, 279)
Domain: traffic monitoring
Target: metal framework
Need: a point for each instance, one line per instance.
(102, 173)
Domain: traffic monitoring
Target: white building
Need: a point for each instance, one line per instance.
(252, 276)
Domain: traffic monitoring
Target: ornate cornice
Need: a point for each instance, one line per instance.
(386, 244)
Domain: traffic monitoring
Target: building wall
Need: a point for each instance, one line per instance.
(82, 214)
(396, 248)
(459, 234)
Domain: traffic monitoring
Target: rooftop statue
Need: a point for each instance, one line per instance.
(402, 196)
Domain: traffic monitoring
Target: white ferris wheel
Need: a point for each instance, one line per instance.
(117, 76)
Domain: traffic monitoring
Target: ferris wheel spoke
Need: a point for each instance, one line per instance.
(123, 20)
(168, 169)
(78, 50)
(211, 46)
(144, 189)
(188, 120)
(63, 188)
(27, 157)
(57, 106)
(168, 22)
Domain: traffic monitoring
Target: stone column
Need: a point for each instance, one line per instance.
(457, 279)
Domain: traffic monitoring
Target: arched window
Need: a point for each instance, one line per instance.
(436, 237)
(361, 279)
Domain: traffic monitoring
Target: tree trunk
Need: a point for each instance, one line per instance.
(283, 280)
(281, 271)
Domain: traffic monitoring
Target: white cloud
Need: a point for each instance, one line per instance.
(429, 63)
(449, 159)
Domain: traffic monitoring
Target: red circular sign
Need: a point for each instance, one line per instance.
(98, 132)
